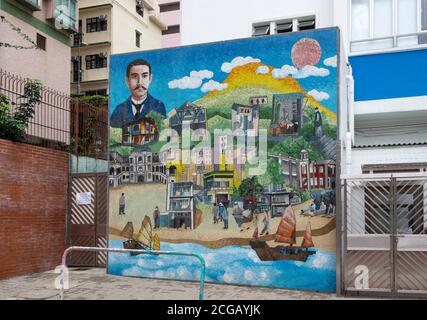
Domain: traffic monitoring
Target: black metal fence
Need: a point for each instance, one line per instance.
(59, 121)
(89, 128)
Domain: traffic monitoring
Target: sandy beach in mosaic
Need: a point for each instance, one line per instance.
(142, 199)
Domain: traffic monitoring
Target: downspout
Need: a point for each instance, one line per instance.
(349, 137)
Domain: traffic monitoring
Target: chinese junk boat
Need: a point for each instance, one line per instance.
(144, 240)
(286, 233)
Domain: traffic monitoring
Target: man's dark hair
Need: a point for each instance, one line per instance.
(123, 194)
(138, 62)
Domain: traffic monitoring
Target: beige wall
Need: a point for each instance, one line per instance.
(100, 36)
(52, 66)
(126, 21)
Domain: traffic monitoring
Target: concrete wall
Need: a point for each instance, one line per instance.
(33, 205)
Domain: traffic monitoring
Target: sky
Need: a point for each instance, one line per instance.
(188, 73)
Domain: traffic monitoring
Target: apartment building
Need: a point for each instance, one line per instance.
(36, 40)
(110, 27)
(170, 13)
(381, 165)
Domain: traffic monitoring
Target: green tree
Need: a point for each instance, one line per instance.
(158, 119)
(273, 174)
(14, 124)
(250, 187)
(292, 147)
(96, 100)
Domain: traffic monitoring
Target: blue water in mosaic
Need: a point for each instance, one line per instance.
(232, 264)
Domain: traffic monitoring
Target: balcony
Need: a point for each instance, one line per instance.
(63, 13)
(34, 5)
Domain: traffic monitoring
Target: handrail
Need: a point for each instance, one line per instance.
(118, 250)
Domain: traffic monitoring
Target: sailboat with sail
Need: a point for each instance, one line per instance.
(145, 239)
(286, 233)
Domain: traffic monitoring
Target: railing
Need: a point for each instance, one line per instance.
(59, 121)
(150, 252)
(89, 128)
(50, 125)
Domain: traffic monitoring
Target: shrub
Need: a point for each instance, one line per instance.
(13, 124)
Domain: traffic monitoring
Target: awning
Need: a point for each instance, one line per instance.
(390, 129)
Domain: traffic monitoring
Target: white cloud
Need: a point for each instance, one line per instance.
(262, 70)
(213, 85)
(284, 72)
(193, 81)
(185, 83)
(305, 72)
(319, 95)
(311, 71)
(237, 62)
(202, 74)
(331, 62)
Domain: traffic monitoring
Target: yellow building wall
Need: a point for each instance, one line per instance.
(125, 23)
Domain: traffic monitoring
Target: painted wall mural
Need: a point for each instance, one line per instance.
(227, 150)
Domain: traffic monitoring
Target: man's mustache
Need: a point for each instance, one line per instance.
(139, 86)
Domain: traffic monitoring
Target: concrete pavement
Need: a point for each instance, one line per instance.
(95, 284)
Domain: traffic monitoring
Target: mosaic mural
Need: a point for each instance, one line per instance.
(227, 150)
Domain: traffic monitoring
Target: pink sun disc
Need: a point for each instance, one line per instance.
(306, 51)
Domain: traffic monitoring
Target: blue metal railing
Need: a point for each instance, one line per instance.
(118, 250)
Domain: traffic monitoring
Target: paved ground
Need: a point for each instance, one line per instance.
(95, 284)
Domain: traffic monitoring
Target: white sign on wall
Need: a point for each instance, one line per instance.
(83, 198)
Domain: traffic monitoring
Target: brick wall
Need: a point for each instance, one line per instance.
(33, 200)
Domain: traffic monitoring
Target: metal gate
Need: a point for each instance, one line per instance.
(88, 218)
(384, 236)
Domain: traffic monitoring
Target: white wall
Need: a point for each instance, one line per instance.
(207, 20)
(386, 155)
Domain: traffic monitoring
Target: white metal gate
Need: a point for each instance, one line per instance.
(384, 236)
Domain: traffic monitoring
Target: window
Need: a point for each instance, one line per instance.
(382, 24)
(140, 7)
(171, 30)
(99, 92)
(41, 42)
(66, 12)
(77, 68)
(78, 37)
(138, 39)
(261, 30)
(33, 5)
(96, 24)
(170, 7)
(306, 24)
(284, 26)
(96, 61)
